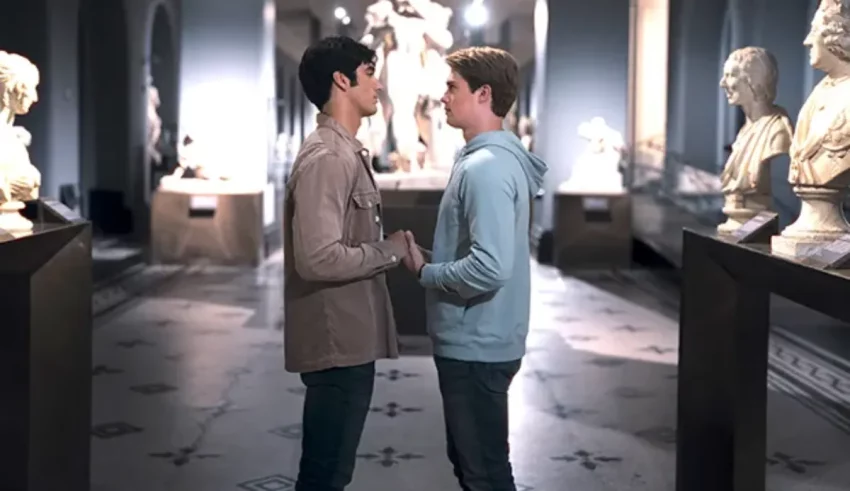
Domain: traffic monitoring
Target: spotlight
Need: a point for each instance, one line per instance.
(476, 15)
(340, 13)
(346, 20)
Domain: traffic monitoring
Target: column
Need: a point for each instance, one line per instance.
(227, 90)
(581, 59)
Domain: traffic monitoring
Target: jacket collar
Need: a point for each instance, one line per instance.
(325, 121)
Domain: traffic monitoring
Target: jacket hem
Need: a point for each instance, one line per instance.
(334, 362)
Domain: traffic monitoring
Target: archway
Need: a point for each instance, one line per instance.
(104, 116)
(163, 72)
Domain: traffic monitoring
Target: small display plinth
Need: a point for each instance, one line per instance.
(45, 355)
(215, 224)
(414, 210)
(593, 230)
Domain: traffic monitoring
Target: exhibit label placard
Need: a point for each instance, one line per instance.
(757, 229)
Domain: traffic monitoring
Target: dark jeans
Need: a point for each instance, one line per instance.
(335, 408)
(475, 407)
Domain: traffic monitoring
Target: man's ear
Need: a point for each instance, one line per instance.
(341, 81)
(485, 94)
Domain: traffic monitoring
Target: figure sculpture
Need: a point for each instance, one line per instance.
(598, 167)
(411, 38)
(154, 123)
(749, 79)
(19, 179)
(820, 164)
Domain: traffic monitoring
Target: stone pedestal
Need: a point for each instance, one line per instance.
(11, 219)
(414, 210)
(739, 208)
(821, 221)
(215, 223)
(593, 230)
(46, 352)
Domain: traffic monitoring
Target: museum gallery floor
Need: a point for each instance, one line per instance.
(190, 394)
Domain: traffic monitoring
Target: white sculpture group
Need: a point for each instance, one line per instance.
(597, 169)
(820, 165)
(411, 38)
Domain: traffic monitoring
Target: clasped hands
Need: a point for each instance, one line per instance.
(414, 260)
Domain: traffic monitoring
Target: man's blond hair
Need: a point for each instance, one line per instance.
(481, 66)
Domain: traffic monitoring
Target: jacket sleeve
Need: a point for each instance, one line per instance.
(320, 196)
(487, 196)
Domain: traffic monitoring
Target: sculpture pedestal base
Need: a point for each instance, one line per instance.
(821, 221)
(210, 225)
(11, 219)
(592, 230)
(739, 208)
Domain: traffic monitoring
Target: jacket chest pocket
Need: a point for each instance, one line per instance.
(364, 224)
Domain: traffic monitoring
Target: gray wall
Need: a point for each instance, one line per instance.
(581, 71)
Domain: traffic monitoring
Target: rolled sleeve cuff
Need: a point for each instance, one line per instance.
(391, 252)
(428, 276)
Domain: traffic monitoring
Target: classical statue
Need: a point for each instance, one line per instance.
(19, 179)
(820, 164)
(154, 123)
(411, 38)
(598, 167)
(192, 163)
(749, 80)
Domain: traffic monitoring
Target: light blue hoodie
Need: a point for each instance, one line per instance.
(478, 282)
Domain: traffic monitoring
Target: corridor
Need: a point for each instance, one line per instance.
(190, 395)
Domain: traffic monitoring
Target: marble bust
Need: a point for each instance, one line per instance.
(597, 169)
(19, 179)
(749, 80)
(820, 164)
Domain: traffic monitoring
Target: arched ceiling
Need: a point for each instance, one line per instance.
(292, 36)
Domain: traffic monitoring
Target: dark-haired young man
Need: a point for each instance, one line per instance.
(478, 280)
(338, 318)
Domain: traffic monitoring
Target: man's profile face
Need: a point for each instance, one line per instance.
(459, 101)
(364, 94)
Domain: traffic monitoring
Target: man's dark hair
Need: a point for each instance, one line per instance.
(320, 61)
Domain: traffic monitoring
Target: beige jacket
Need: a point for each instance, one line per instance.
(336, 302)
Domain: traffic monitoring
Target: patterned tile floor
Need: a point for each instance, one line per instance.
(191, 395)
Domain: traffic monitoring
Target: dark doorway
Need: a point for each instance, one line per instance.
(105, 156)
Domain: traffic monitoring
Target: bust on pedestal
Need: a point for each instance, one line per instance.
(749, 80)
(820, 164)
(19, 179)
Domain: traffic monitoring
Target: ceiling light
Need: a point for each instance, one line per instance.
(340, 13)
(476, 15)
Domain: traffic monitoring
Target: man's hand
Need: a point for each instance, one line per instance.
(400, 241)
(414, 260)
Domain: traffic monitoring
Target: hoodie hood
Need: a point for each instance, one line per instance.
(533, 166)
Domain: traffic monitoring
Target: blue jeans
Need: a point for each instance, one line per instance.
(475, 407)
(335, 408)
